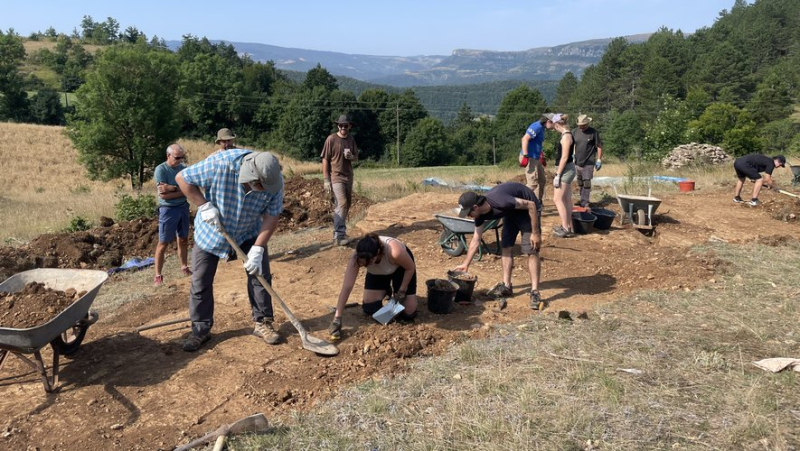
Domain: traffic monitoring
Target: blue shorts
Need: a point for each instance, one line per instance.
(173, 221)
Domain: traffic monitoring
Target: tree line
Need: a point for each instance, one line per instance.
(733, 84)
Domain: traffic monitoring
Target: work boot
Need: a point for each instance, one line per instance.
(754, 203)
(195, 342)
(344, 241)
(537, 303)
(158, 280)
(560, 232)
(335, 329)
(501, 290)
(265, 330)
(738, 200)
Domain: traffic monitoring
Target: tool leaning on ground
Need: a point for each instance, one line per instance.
(253, 423)
(310, 342)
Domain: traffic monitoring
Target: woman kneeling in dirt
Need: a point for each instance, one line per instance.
(390, 268)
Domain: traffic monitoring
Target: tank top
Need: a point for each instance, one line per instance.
(385, 267)
(558, 150)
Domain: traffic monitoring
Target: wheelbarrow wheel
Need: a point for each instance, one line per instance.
(641, 218)
(70, 340)
(451, 244)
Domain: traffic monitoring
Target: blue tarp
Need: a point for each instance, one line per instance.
(608, 181)
(133, 264)
(433, 181)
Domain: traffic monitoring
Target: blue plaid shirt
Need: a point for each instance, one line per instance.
(241, 213)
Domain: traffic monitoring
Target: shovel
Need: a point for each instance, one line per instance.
(253, 423)
(788, 193)
(310, 342)
(388, 311)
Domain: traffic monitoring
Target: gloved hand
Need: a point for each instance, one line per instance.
(400, 297)
(335, 329)
(327, 186)
(254, 258)
(557, 181)
(597, 165)
(209, 214)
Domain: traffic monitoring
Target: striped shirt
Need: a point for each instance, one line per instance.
(241, 213)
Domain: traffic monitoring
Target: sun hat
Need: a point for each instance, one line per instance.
(344, 119)
(224, 134)
(264, 167)
(584, 119)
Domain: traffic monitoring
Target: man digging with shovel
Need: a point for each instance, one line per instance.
(242, 190)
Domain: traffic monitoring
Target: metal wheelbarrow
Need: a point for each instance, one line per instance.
(64, 332)
(453, 238)
(795, 174)
(638, 210)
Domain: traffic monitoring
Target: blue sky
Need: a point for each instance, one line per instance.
(402, 27)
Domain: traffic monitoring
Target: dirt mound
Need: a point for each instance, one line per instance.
(305, 205)
(783, 208)
(34, 305)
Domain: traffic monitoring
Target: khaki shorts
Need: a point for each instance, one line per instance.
(534, 174)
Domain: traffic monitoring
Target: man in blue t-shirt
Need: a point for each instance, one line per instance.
(522, 214)
(530, 157)
(173, 211)
(751, 166)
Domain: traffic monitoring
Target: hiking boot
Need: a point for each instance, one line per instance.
(335, 329)
(560, 232)
(158, 280)
(754, 203)
(343, 241)
(195, 342)
(186, 271)
(537, 303)
(738, 200)
(568, 233)
(501, 290)
(265, 330)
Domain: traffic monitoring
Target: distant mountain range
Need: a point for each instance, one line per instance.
(461, 67)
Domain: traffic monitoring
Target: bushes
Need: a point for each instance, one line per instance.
(129, 207)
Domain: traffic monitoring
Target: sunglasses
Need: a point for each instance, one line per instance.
(178, 158)
(343, 125)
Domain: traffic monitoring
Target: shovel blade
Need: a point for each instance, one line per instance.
(388, 312)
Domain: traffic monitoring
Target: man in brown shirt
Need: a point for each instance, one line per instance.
(338, 154)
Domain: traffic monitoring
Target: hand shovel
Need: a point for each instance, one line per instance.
(388, 312)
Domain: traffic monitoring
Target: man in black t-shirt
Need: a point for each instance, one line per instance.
(751, 166)
(588, 154)
(522, 213)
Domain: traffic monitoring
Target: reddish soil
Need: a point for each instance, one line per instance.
(141, 391)
(34, 305)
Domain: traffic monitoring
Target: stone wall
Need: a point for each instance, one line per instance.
(695, 154)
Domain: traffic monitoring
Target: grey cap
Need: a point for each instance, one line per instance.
(264, 167)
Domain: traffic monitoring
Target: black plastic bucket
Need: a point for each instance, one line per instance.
(441, 295)
(604, 218)
(466, 285)
(583, 223)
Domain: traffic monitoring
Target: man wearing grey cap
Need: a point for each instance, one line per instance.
(243, 191)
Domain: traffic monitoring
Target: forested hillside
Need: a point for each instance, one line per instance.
(734, 83)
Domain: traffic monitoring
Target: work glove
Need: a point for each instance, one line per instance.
(557, 181)
(209, 214)
(254, 258)
(597, 165)
(335, 329)
(327, 186)
(400, 297)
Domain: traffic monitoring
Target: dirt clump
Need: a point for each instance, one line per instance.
(777, 240)
(34, 305)
(306, 205)
(783, 208)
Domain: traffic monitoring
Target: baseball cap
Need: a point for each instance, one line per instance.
(467, 201)
(264, 167)
(781, 159)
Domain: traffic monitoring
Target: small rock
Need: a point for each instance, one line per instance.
(116, 427)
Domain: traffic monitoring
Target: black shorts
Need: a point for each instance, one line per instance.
(745, 170)
(389, 281)
(516, 222)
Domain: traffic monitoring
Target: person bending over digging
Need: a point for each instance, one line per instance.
(243, 191)
(522, 213)
(751, 166)
(390, 268)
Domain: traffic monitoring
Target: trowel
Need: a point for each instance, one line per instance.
(388, 311)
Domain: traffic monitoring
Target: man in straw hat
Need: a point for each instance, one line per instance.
(338, 155)
(588, 152)
(242, 190)
(225, 139)
(530, 156)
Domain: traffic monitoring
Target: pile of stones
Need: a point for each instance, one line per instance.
(693, 154)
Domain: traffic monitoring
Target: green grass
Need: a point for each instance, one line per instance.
(554, 384)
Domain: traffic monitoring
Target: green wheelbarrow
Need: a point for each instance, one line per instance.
(453, 238)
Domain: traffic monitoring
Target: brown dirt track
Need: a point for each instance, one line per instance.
(143, 392)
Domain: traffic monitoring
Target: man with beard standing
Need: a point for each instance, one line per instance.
(588, 152)
(338, 155)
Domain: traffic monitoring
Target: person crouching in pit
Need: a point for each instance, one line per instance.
(390, 269)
